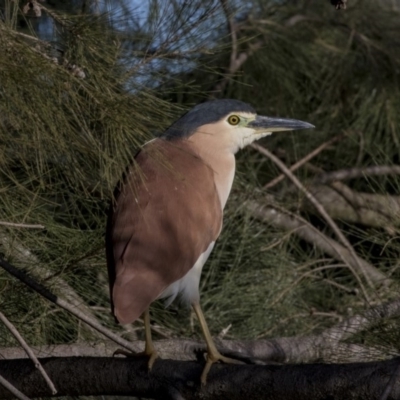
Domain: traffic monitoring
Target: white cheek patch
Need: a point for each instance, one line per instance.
(251, 137)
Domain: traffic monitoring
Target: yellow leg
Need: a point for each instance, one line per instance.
(213, 355)
(149, 349)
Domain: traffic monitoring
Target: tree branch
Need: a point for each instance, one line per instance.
(351, 173)
(273, 216)
(12, 389)
(18, 251)
(46, 293)
(356, 266)
(304, 160)
(180, 379)
(28, 351)
(325, 346)
(370, 209)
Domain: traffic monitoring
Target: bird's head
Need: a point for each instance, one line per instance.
(231, 124)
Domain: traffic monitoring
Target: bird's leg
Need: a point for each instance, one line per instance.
(149, 349)
(213, 355)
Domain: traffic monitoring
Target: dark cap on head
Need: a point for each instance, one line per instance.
(205, 113)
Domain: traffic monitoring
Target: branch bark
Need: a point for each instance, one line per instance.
(352, 173)
(180, 379)
(326, 346)
(370, 209)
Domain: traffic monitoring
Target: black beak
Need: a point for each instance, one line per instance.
(267, 124)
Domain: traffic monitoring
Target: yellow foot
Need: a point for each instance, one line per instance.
(213, 358)
(152, 354)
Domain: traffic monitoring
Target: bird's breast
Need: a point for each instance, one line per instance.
(224, 173)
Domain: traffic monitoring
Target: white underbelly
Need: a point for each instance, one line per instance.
(188, 285)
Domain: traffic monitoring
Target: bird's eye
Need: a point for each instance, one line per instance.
(233, 119)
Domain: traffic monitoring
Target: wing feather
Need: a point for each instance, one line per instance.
(162, 219)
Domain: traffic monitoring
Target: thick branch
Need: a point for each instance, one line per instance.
(325, 346)
(180, 379)
(352, 173)
(371, 209)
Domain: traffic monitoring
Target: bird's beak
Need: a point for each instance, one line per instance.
(267, 124)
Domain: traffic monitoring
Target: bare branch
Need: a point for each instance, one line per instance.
(351, 173)
(304, 160)
(327, 218)
(16, 225)
(22, 254)
(236, 60)
(343, 203)
(326, 345)
(43, 291)
(312, 235)
(180, 379)
(12, 389)
(28, 351)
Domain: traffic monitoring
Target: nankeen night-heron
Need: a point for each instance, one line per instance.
(167, 215)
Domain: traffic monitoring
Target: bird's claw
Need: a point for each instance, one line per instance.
(150, 353)
(213, 358)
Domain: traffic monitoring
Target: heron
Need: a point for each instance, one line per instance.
(167, 211)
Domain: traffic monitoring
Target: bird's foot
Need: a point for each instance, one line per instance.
(150, 353)
(212, 358)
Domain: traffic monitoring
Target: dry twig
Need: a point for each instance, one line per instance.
(19, 252)
(324, 214)
(43, 291)
(307, 232)
(28, 351)
(12, 389)
(16, 225)
(236, 60)
(304, 160)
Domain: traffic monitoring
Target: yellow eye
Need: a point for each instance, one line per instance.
(233, 119)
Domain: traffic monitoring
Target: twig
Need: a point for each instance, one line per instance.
(61, 20)
(12, 389)
(304, 160)
(232, 31)
(236, 60)
(31, 226)
(310, 274)
(310, 234)
(323, 213)
(351, 173)
(46, 293)
(16, 249)
(28, 350)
